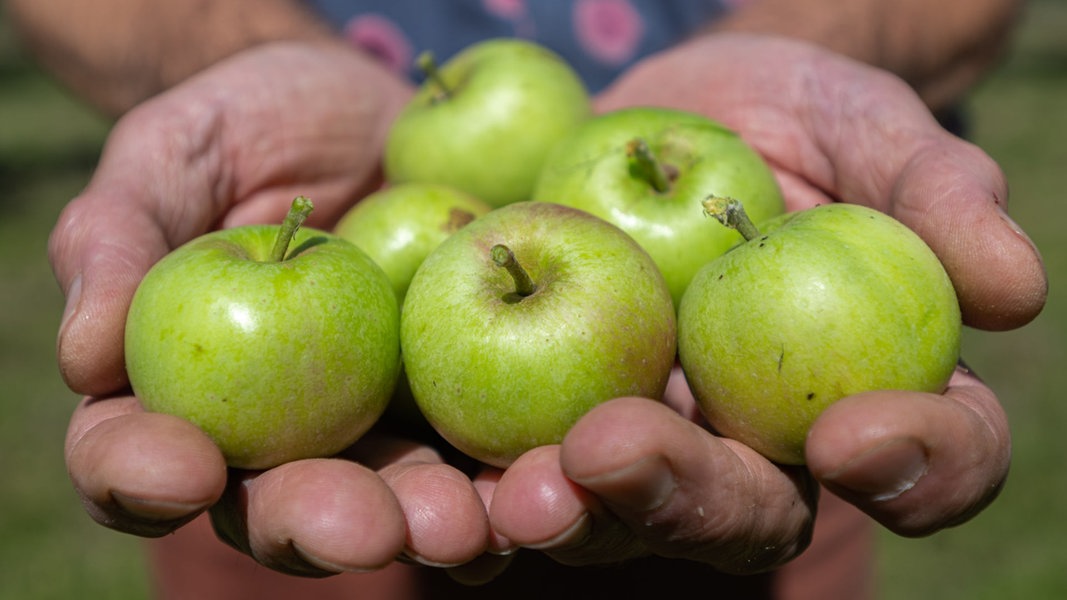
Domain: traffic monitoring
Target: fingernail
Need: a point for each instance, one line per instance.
(885, 472)
(574, 534)
(74, 295)
(422, 560)
(318, 563)
(1010, 222)
(155, 510)
(642, 486)
(500, 545)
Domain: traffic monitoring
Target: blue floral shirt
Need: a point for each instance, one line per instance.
(599, 38)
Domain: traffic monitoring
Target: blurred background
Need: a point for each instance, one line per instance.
(50, 549)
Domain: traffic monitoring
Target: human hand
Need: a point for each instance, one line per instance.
(835, 130)
(634, 477)
(233, 145)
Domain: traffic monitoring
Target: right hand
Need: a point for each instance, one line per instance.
(230, 146)
(634, 477)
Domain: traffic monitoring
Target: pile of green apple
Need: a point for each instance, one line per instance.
(525, 261)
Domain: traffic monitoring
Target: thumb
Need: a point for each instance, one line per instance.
(107, 238)
(898, 159)
(954, 196)
(98, 269)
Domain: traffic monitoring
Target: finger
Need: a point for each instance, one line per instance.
(915, 462)
(955, 197)
(485, 484)
(481, 570)
(141, 473)
(501, 551)
(106, 239)
(446, 521)
(446, 516)
(446, 512)
(896, 157)
(313, 517)
(688, 494)
(536, 506)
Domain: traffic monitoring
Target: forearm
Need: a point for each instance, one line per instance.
(117, 53)
(940, 47)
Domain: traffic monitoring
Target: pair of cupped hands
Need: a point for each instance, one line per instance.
(235, 143)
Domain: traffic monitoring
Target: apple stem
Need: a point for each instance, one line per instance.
(428, 65)
(504, 257)
(731, 213)
(298, 212)
(647, 166)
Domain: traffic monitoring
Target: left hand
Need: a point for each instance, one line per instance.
(635, 477)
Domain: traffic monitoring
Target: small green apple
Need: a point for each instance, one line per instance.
(485, 121)
(522, 321)
(825, 303)
(646, 170)
(398, 226)
(276, 353)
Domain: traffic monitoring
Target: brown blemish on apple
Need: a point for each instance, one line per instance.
(672, 172)
(457, 219)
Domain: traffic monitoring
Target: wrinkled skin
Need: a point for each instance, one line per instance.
(234, 145)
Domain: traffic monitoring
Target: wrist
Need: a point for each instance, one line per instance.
(214, 31)
(142, 48)
(941, 49)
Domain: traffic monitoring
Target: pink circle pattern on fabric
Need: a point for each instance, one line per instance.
(609, 30)
(512, 10)
(383, 38)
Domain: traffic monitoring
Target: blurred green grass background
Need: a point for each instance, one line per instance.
(50, 549)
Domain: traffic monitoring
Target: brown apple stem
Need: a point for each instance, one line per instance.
(731, 213)
(647, 166)
(427, 64)
(504, 257)
(298, 212)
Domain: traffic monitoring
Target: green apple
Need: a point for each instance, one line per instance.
(280, 343)
(399, 225)
(825, 303)
(646, 170)
(521, 322)
(485, 120)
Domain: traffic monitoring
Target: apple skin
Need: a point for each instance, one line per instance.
(398, 226)
(590, 170)
(828, 302)
(511, 101)
(497, 374)
(275, 361)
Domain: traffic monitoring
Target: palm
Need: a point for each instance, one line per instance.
(278, 122)
(232, 145)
